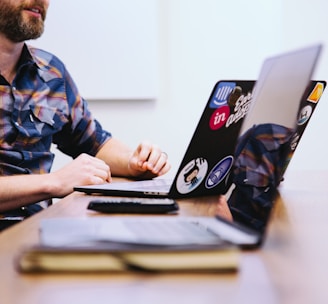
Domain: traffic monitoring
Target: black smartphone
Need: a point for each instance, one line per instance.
(134, 205)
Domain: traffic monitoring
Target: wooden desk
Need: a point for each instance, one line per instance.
(290, 268)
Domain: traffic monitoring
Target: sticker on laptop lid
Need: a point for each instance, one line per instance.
(221, 94)
(316, 93)
(219, 117)
(304, 115)
(219, 172)
(191, 175)
(294, 141)
(239, 107)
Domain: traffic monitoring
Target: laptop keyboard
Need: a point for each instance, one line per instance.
(154, 184)
(170, 229)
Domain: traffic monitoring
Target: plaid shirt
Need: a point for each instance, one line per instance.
(42, 106)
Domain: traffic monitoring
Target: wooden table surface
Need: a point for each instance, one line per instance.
(291, 267)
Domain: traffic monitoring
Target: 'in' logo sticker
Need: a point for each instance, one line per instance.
(219, 117)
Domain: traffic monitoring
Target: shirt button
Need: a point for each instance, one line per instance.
(14, 88)
(16, 123)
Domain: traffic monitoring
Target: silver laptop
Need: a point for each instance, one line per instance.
(206, 165)
(268, 134)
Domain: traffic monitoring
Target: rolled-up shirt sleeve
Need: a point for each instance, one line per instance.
(83, 133)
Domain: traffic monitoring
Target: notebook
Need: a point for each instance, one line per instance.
(205, 169)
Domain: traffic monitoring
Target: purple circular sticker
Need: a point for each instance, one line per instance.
(219, 172)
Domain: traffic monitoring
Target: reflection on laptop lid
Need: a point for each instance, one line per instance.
(280, 87)
(260, 157)
(206, 165)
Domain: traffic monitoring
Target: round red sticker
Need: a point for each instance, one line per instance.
(219, 117)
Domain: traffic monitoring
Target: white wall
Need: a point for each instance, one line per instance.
(90, 44)
(201, 42)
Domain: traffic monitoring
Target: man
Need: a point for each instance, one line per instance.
(40, 105)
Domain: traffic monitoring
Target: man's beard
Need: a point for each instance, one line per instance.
(15, 27)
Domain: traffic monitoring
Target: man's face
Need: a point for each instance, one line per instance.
(22, 20)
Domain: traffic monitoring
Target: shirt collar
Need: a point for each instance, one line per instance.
(29, 56)
(42, 62)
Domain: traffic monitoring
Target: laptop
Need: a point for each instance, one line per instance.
(206, 166)
(220, 121)
(255, 178)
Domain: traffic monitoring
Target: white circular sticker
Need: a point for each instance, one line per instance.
(304, 115)
(191, 175)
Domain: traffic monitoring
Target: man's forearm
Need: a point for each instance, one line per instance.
(116, 155)
(146, 161)
(21, 190)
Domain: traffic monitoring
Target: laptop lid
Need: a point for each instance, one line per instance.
(206, 165)
(270, 133)
(204, 157)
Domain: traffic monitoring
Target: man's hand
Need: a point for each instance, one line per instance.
(148, 161)
(222, 208)
(84, 170)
